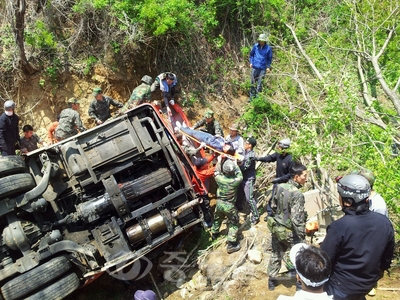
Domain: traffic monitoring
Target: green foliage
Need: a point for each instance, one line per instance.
(52, 71)
(40, 37)
(89, 64)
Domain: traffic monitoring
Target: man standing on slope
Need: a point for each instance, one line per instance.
(260, 63)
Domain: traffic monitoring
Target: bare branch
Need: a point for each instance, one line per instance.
(303, 52)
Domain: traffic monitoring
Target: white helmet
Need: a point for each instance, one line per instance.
(284, 144)
(9, 104)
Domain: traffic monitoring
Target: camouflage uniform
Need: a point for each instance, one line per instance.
(213, 127)
(140, 95)
(226, 198)
(100, 109)
(29, 144)
(69, 121)
(296, 217)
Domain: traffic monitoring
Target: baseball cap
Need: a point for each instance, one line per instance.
(292, 255)
(97, 91)
(209, 114)
(144, 295)
(252, 141)
(73, 100)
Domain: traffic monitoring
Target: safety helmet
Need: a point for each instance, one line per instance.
(9, 104)
(229, 168)
(354, 187)
(147, 79)
(284, 144)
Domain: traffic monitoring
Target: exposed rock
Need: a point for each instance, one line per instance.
(255, 256)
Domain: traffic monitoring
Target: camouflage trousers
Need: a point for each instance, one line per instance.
(280, 251)
(226, 209)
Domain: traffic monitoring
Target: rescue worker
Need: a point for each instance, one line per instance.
(140, 94)
(30, 140)
(284, 163)
(9, 133)
(288, 225)
(228, 178)
(70, 121)
(99, 108)
(360, 244)
(313, 268)
(245, 193)
(235, 139)
(167, 84)
(211, 125)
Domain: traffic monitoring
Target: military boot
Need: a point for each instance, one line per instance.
(272, 284)
(233, 247)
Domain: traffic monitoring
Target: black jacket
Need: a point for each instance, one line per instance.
(9, 133)
(359, 245)
(283, 165)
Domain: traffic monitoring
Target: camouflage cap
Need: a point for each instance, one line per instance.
(97, 91)
(209, 114)
(73, 100)
(368, 174)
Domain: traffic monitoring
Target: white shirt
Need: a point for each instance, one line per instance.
(378, 204)
(303, 295)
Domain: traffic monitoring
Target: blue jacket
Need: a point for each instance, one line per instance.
(261, 57)
(359, 245)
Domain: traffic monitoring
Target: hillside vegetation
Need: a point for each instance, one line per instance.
(334, 87)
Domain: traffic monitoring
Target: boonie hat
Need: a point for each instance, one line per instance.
(252, 141)
(234, 127)
(73, 100)
(209, 114)
(262, 37)
(97, 91)
(144, 295)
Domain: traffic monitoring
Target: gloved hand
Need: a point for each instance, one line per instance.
(172, 101)
(169, 111)
(202, 145)
(98, 122)
(277, 180)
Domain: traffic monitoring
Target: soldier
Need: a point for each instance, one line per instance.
(288, 225)
(166, 83)
(99, 108)
(360, 244)
(140, 94)
(228, 178)
(9, 134)
(236, 139)
(29, 141)
(212, 126)
(284, 163)
(248, 168)
(70, 121)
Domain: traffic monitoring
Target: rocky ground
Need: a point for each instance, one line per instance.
(210, 273)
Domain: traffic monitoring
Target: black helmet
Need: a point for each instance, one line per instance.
(284, 144)
(354, 187)
(147, 79)
(9, 104)
(229, 168)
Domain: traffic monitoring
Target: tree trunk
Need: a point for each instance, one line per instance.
(25, 66)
